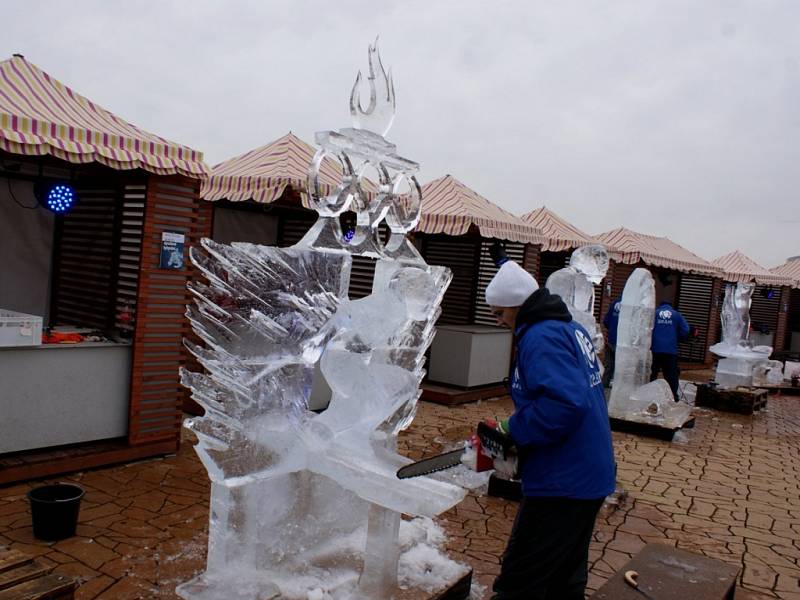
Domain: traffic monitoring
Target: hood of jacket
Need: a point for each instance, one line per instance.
(541, 305)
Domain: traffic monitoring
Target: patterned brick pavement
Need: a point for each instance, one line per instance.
(730, 490)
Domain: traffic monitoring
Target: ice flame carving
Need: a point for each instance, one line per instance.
(379, 114)
(303, 503)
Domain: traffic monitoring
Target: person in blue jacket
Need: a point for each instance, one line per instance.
(561, 431)
(670, 328)
(611, 322)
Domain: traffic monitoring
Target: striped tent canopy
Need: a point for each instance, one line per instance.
(790, 269)
(40, 115)
(450, 207)
(738, 267)
(629, 247)
(265, 173)
(558, 234)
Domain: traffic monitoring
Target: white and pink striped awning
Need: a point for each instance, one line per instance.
(790, 269)
(450, 207)
(738, 267)
(40, 115)
(557, 234)
(264, 174)
(629, 247)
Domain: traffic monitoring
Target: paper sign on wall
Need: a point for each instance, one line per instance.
(171, 250)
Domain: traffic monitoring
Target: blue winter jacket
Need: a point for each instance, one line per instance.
(670, 328)
(611, 321)
(560, 423)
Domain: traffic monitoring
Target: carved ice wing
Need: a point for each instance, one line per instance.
(262, 318)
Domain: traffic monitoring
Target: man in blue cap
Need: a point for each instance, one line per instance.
(561, 431)
(669, 329)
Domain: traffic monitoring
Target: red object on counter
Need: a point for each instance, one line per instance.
(58, 337)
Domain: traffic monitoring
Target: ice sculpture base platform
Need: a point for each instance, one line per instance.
(202, 588)
(740, 400)
(649, 429)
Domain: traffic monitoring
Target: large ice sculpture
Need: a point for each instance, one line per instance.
(307, 505)
(738, 356)
(632, 397)
(587, 266)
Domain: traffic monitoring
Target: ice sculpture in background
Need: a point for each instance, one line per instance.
(575, 284)
(738, 357)
(307, 505)
(632, 397)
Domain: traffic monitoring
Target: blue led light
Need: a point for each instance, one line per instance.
(60, 198)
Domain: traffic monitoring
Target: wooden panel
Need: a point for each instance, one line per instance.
(171, 204)
(460, 255)
(764, 310)
(714, 324)
(780, 341)
(130, 231)
(792, 318)
(695, 298)
(84, 264)
(486, 270)
(549, 263)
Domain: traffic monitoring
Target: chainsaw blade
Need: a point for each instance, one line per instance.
(431, 465)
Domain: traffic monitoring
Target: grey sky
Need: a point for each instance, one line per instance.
(678, 118)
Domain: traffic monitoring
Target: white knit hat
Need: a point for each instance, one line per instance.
(510, 286)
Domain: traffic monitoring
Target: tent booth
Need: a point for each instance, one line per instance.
(471, 354)
(770, 301)
(92, 275)
(690, 283)
(559, 239)
(791, 269)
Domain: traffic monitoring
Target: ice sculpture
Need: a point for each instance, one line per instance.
(738, 356)
(632, 397)
(587, 265)
(307, 505)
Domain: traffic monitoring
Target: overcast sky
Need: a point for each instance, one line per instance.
(676, 118)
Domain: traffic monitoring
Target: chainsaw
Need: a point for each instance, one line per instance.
(485, 449)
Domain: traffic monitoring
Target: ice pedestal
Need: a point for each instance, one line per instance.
(632, 398)
(739, 358)
(654, 404)
(769, 373)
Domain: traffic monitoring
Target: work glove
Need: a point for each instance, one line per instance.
(498, 254)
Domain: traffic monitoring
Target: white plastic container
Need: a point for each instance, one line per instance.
(19, 329)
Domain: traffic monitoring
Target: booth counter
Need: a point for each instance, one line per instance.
(58, 394)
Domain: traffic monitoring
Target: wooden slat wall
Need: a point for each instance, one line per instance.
(549, 263)
(783, 317)
(460, 254)
(695, 298)
(765, 310)
(486, 270)
(714, 314)
(793, 318)
(172, 204)
(130, 232)
(85, 261)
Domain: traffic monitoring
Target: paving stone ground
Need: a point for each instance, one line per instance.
(729, 490)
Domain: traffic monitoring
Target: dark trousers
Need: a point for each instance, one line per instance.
(608, 374)
(548, 550)
(668, 363)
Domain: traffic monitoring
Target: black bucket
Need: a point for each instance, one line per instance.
(54, 509)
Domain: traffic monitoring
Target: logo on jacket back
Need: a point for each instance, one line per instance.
(617, 306)
(665, 315)
(587, 347)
